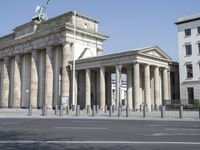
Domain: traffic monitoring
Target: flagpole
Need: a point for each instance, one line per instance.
(73, 78)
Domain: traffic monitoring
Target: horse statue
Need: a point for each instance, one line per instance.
(40, 11)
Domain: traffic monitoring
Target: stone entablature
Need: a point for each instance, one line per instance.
(53, 32)
(128, 57)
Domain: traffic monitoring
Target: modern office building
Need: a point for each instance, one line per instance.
(189, 57)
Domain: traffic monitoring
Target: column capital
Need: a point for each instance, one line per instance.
(165, 68)
(66, 42)
(119, 67)
(6, 58)
(49, 47)
(146, 64)
(102, 67)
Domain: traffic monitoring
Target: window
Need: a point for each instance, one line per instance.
(187, 32)
(199, 69)
(189, 71)
(190, 95)
(198, 30)
(188, 49)
(199, 47)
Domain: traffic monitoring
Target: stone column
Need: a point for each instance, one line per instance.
(147, 91)
(56, 72)
(169, 85)
(74, 102)
(165, 85)
(102, 88)
(157, 86)
(17, 83)
(117, 86)
(129, 88)
(87, 88)
(49, 78)
(5, 84)
(108, 89)
(65, 87)
(41, 77)
(34, 81)
(136, 67)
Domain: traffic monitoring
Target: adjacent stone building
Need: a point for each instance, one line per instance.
(189, 57)
(36, 67)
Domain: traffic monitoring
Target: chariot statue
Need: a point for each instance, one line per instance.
(40, 14)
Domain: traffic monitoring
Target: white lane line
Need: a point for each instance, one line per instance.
(9, 123)
(158, 125)
(98, 142)
(82, 128)
(181, 129)
(170, 134)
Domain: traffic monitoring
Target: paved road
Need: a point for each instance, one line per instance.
(53, 134)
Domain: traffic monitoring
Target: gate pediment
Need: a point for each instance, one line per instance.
(155, 52)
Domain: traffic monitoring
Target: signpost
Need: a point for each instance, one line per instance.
(65, 100)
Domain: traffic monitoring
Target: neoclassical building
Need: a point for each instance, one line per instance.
(36, 67)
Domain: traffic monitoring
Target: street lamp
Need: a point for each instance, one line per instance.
(73, 70)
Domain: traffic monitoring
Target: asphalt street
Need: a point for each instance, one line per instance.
(53, 134)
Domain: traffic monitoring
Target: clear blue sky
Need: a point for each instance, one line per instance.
(129, 23)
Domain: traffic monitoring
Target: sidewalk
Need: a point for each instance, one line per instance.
(155, 115)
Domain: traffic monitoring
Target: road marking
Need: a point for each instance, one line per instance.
(175, 125)
(82, 128)
(170, 134)
(181, 129)
(9, 123)
(89, 121)
(98, 142)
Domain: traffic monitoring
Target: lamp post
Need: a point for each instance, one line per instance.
(73, 70)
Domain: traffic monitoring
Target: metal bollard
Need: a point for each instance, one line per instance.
(67, 110)
(134, 109)
(127, 110)
(88, 109)
(152, 109)
(110, 111)
(105, 109)
(144, 111)
(61, 110)
(113, 108)
(97, 109)
(181, 112)
(199, 113)
(77, 110)
(56, 110)
(162, 111)
(119, 111)
(73, 107)
(140, 108)
(30, 111)
(44, 110)
(93, 110)
(156, 108)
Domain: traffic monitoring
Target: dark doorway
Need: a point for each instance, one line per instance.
(190, 95)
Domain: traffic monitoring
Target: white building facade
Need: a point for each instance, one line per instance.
(189, 58)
